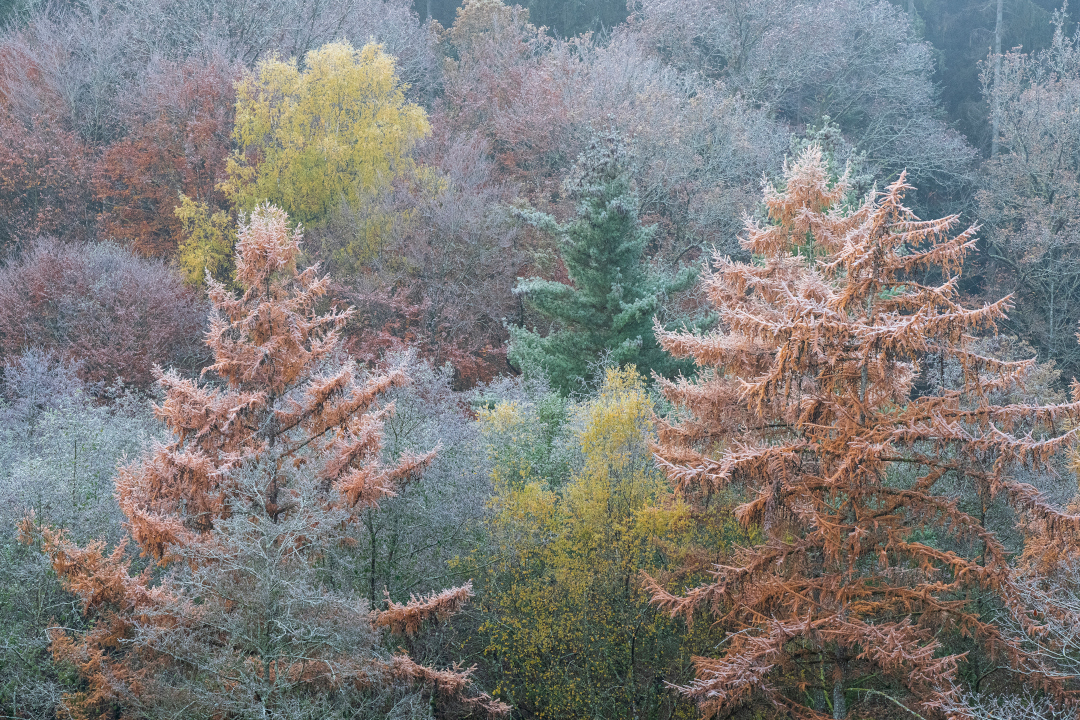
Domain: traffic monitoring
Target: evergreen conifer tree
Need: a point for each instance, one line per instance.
(606, 314)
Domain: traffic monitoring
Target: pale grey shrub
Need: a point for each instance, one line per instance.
(59, 449)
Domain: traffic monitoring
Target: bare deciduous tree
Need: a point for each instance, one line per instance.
(1030, 195)
(856, 61)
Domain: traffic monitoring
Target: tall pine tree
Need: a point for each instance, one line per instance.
(606, 314)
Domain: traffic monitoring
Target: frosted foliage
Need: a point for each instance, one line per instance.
(856, 61)
(700, 152)
(267, 471)
(116, 314)
(258, 567)
(1055, 596)
(700, 149)
(59, 449)
(58, 452)
(1014, 707)
(253, 30)
(1028, 200)
(89, 55)
(405, 545)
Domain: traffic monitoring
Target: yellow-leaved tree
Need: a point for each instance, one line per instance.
(207, 244)
(570, 629)
(337, 131)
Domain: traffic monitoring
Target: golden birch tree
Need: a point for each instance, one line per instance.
(338, 130)
(569, 623)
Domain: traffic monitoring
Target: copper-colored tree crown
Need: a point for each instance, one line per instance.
(265, 468)
(269, 346)
(805, 405)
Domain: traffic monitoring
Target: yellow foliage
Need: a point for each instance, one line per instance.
(366, 229)
(522, 441)
(340, 130)
(572, 629)
(207, 243)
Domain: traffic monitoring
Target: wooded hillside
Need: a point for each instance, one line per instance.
(565, 360)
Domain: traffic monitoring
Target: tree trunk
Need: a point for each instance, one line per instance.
(839, 703)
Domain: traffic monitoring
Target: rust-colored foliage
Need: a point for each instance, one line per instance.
(392, 321)
(444, 282)
(114, 314)
(274, 461)
(407, 618)
(43, 180)
(180, 124)
(805, 401)
(44, 164)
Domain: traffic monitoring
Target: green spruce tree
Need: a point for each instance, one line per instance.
(605, 316)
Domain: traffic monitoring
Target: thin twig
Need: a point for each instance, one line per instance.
(890, 698)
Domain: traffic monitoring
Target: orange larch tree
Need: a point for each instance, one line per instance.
(237, 613)
(812, 404)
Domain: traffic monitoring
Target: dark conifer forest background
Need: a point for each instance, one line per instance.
(570, 359)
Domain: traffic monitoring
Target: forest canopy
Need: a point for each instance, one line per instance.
(438, 359)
